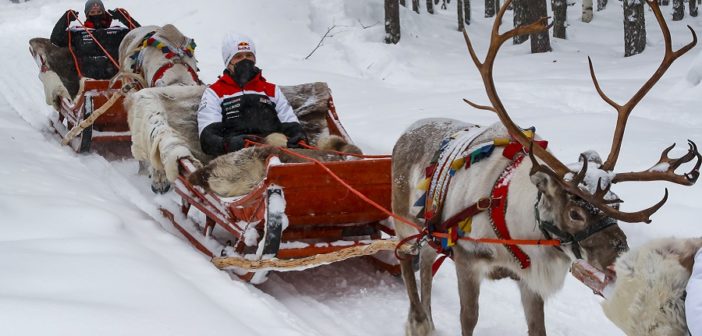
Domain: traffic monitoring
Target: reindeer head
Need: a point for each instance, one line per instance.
(576, 205)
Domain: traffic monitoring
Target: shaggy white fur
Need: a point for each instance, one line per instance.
(164, 126)
(53, 87)
(648, 297)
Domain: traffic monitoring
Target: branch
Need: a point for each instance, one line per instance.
(320, 41)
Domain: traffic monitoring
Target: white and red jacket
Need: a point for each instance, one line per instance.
(221, 100)
(693, 301)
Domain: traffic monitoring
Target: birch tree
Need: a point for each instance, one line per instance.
(559, 18)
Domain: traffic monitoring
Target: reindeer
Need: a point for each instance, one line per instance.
(157, 56)
(544, 198)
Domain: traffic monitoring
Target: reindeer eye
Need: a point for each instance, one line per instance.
(574, 215)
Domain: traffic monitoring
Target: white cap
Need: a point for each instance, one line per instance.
(234, 43)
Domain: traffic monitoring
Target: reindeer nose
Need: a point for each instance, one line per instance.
(620, 246)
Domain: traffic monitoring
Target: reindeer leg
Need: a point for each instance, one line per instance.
(427, 257)
(469, 279)
(418, 322)
(533, 305)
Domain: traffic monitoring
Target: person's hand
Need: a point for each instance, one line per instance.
(70, 15)
(238, 142)
(120, 14)
(294, 141)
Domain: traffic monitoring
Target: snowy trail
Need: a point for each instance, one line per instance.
(84, 249)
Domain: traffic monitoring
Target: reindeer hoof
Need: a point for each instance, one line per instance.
(419, 328)
(160, 188)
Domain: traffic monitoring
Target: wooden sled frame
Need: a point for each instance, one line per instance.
(297, 211)
(110, 130)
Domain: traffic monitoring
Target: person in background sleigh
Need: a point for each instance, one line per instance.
(242, 105)
(92, 60)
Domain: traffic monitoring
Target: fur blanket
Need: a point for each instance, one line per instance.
(59, 74)
(648, 297)
(237, 173)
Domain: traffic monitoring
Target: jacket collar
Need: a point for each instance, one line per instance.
(230, 81)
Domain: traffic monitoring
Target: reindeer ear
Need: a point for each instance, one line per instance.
(542, 182)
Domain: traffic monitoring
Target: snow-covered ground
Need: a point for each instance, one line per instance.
(83, 250)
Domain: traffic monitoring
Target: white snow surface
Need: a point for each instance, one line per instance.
(84, 251)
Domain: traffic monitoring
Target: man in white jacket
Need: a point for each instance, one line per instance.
(693, 301)
(242, 105)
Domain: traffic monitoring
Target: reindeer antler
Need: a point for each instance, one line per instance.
(598, 198)
(556, 169)
(664, 169)
(485, 68)
(623, 111)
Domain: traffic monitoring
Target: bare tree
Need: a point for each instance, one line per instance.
(540, 41)
(415, 6)
(430, 6)
(601, 4)
(521, 14)
(559, 18)
(587, 11)
(466, 11)
(634, 27)
(489, 8)
(392, 21)
(678, 10)
(693, 8)
(459, 11)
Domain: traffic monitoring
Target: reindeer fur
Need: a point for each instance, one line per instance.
(153, 59)
(648, 296)
(474, 262)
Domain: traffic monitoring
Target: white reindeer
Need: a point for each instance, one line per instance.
(157, 57)
(545, 199)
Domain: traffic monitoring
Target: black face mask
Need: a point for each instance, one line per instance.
(100, 21)
(244, 71)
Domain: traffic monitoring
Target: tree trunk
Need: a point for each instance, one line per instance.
(601, 5)
(539, 41)
(466, 11)
(693, 8)
(415, 6)
(678, 10)
(392, 21)
(402, 2)
(489, 8)
(459, 11)
(587, 11)
(634, 27)
(521, 15)
(430, 6)
(559, 18)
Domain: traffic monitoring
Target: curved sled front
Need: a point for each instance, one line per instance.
(75, 100)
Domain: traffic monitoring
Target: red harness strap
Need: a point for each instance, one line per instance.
(498, 210)
(162, 70)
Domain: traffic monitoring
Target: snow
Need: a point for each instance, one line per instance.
(84, 250)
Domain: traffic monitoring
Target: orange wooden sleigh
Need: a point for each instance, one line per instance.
(296, 217)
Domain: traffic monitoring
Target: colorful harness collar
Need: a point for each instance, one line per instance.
(460, 224)
(174, 55)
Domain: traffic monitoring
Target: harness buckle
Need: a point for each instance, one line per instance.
(484, 203)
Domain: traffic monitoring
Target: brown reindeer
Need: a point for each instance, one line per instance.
(544, 198)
